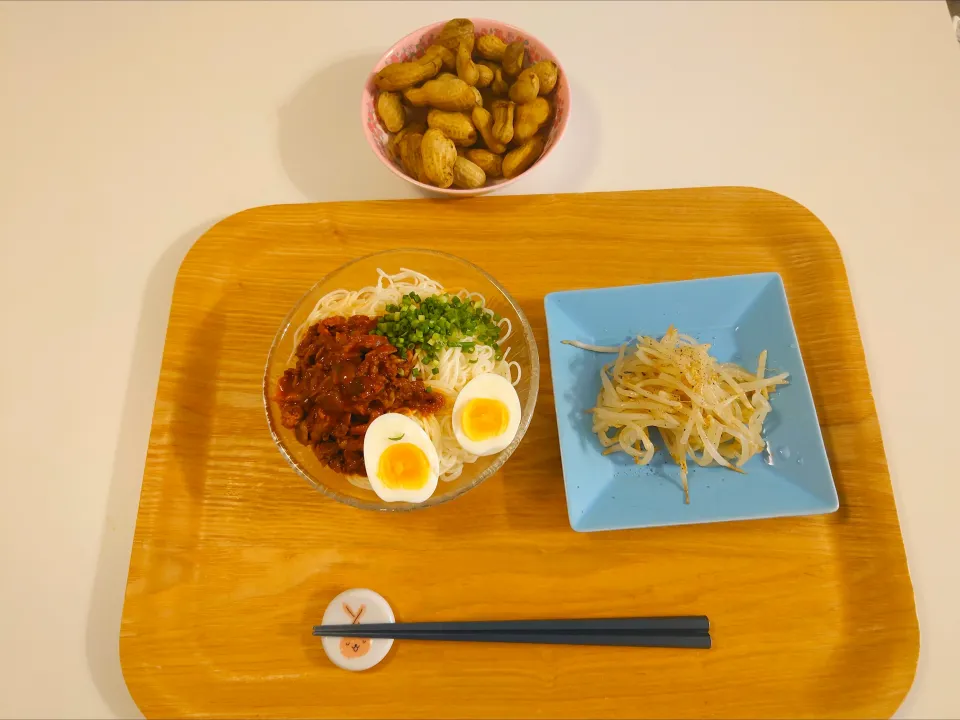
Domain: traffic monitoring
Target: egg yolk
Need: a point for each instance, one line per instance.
(484, 418)
(403, 466)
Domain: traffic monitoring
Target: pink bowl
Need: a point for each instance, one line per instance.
(413, 45)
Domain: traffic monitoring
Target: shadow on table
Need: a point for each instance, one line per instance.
(322, 145)
(325, 153)
(106, 605)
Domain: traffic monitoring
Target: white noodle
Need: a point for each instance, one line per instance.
(455, 366)
(700, 406)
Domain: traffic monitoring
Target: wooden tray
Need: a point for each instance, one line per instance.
(235, 557)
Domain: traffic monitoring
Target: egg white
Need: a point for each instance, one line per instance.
(495, 387)
(377, 439)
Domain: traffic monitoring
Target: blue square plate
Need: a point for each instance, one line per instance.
(740, 316)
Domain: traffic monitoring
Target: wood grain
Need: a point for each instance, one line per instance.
(235, 557)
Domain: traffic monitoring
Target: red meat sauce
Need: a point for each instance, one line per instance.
(344, 378)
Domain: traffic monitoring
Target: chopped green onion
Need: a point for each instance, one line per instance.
(398, 437)
(439, 321)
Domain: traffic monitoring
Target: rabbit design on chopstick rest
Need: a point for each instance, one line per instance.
(354, 647)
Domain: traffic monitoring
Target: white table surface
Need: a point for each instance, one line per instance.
(128, 129)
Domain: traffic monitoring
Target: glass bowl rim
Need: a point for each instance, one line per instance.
(526, 414)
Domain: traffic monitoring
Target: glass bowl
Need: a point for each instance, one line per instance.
(451, 272)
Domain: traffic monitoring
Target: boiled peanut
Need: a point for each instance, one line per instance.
(477, 97)
(393, 144)
(518, 160)
(484, 75)
(455, 125)
(467, 174)
(548, 73)
(446, 93)
(513, 58)
(483, 122)
(402, 75)
(502, 112)
(411, 156)
(466, 68)
(526, 87)
(456, 31)
(499, 86)
(391, 111)
(528, 118)
(490, 163)
(491, 47)
(439, 155)
(447, 57)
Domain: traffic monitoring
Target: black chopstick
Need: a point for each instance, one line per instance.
(667, 632)
(685, 624)
(696, 641)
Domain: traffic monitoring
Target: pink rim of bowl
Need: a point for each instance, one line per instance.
(413, 45)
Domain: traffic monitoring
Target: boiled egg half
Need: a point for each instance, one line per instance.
(401, 461)
(486, 414)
